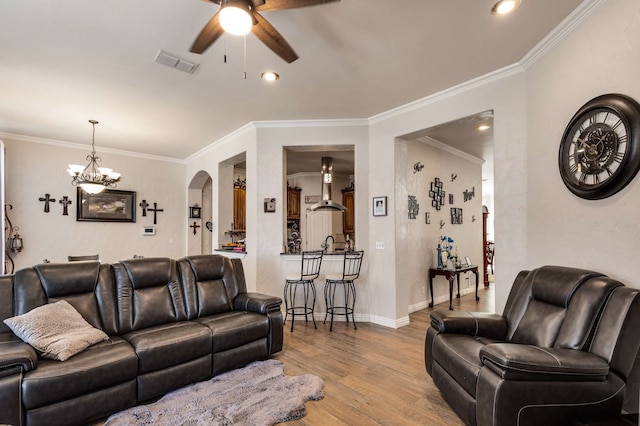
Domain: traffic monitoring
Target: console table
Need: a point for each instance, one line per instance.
(451, 275)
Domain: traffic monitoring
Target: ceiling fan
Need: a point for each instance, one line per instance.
(247, 13)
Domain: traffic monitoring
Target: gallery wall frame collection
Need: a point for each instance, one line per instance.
(438, 197)
(437, 194)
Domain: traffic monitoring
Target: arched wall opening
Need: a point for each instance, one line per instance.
(200, 194)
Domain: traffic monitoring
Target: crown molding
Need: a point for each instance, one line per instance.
(451, 150)
(574, 19)
(483, 80)
(560, 32)
(345, 122)
(249, 127)
(84, 147)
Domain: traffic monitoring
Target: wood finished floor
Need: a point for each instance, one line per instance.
(373, 375)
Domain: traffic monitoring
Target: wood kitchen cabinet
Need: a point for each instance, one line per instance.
(348, 217)
(239, 209)
(293, 203)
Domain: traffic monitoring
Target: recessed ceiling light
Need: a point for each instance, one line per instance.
(270, 76)
(484, 127)
(505, 7)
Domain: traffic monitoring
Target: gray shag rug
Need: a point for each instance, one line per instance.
(258, 394)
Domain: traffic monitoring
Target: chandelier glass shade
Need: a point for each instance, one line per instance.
(92, 178)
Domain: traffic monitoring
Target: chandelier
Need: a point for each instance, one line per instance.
(93, 178)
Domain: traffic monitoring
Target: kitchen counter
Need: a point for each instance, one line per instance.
(231, 253)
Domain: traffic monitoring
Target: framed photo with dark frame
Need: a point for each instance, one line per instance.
(195, 212)
(109, 205)
(379, 206)
(269, 205)
(456, 216)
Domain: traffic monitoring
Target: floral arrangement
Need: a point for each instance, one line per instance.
(446, 243)
(445, 248)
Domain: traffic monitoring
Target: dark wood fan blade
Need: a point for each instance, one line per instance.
(210, 33)
(290, 4)
(272, 38)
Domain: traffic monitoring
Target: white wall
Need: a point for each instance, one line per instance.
(537, 220)
(34, 169)
(211, 160)
(416, 241)
(602, 235)
(505, 94)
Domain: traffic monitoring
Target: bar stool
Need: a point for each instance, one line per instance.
(350, 271)
(311, 261)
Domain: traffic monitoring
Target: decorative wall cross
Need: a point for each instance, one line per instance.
(47, 199)
(155, 211)
(144, 206)
(195, 227)
(65, 203)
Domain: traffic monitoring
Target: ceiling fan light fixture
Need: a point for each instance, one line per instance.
(270, 76)
(505, 7)
(235, 17)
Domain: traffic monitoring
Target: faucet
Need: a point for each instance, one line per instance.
(325, 245)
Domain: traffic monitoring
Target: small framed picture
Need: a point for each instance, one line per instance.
(269, 205)
(195, 211)
(427, 218)
(379, 206)
(450, 198)
(456, 216)
(109, 205)
(468, 260)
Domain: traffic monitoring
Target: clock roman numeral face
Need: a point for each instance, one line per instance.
(600, 148)
(597, 147)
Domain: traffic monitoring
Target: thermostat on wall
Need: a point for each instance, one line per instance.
(148, 230)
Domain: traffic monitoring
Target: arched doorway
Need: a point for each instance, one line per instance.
(200, 194)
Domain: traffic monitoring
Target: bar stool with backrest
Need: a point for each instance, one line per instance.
(350, 271)
(311, 262)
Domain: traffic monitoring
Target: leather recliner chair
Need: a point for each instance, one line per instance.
(561, 352)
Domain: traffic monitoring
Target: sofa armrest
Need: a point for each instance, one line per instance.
(257, 302)
(513, 361)
(470, 323)
(15, 353)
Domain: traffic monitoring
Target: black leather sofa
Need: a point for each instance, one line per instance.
(170, 323)
(561, 352)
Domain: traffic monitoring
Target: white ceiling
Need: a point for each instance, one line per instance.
(65, 62)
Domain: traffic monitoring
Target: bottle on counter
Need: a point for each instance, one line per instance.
(347, 244)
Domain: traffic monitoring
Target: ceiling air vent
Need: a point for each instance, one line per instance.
(174, 61)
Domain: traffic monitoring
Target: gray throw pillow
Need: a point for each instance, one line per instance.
(56, 330)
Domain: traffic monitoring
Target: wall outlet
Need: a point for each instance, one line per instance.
(379, 245)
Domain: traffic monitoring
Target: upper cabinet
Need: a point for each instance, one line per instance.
(293, 203)
(348, 218)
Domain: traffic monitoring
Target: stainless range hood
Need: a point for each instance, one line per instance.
(327, 177)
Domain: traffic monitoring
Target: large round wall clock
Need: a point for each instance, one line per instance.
(600, 148)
